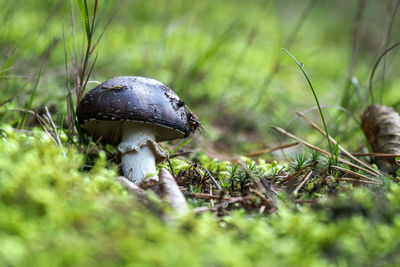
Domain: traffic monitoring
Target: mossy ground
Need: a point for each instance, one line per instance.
(54, 214)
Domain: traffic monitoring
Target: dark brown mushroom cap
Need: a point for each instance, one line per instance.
(103, 109)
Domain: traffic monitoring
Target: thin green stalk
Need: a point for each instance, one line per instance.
(100, 15)
(184, 143)
(389, 33)
(316, 100)
(371, 77)
(31, 98)
(83, 8)
(90, 25)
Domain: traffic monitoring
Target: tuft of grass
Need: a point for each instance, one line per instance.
(82, 72)
(90, 23)
(299, 162)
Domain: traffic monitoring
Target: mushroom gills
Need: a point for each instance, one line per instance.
(110, 131)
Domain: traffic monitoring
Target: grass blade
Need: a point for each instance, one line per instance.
(184, 143)
(100, 15)
(94, 17)
(316, 100)
(31, 98)
(371, 77)
(105, 28)
(87, 79)
(83, 8)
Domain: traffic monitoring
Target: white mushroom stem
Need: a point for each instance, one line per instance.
(139, 151)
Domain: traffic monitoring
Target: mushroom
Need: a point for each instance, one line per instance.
(135, 113)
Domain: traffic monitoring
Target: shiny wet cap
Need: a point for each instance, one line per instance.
(125, 99)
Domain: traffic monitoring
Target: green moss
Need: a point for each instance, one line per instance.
(55, 215)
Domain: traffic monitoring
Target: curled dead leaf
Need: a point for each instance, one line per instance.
(381, 126)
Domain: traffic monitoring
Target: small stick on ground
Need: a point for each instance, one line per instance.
(354, 173)
(269, 150)
(53, 126)
(170, 167)
(306, 177)
(133, 188)
(353, 180)
(211, 200)
(171, 193)
(266, 201)
(315, 126)
(220, 205)
(268, 191)
(297, 173)
(321, 150)
(212, 179)
(262, 209)
(208, 196)
(377, 155)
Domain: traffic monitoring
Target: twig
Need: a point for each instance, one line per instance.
(180, 153)
(375, 155)
(354, 173)
(141, 196)
(211, 200)
(208, 196)
(266, 201)
(212, 179)
(219, 205)
(50, 120)
(300, 201)
(296, 173)
(306, 177)
(334, 142)
(45, 127)
(171, 193)
(170, 167)
(268, 191)
(269, 150)
(320, 150)
(262, 209)
(356, 180)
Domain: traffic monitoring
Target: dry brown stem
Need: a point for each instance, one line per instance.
(269, 150)
(322, 151)
(342, 149)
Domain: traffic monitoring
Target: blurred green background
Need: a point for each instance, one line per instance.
(223, 58)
